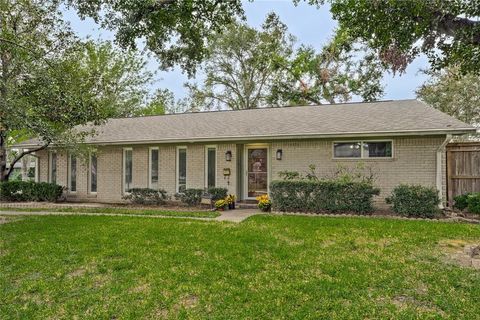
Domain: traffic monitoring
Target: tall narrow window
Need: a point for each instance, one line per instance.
(181, 169)
(53, 167)
(93, 174)
(153, 168)
(127, 169)
(72, 173)
(211, 167)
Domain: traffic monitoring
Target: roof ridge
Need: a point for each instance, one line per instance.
(264, 108)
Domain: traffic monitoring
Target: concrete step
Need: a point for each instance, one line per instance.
(247, 205)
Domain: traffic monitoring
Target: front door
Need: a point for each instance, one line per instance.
(257, 172)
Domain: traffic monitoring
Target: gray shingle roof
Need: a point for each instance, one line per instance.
(375, 118)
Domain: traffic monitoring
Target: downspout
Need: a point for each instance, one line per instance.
(440, 152)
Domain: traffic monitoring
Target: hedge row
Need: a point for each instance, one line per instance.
(322, 196)
(30, 191)
(146, 196)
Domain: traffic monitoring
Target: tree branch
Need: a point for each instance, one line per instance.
(20, 156)
(450, 25)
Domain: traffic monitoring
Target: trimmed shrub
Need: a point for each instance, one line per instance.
(323, 195)
(217, 193)
(414, 201)
(191, 197)
(461, 201)
(473, 201)
(30, 191)
(146, 196)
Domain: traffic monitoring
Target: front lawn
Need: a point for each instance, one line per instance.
(270, 267)
(157, 212)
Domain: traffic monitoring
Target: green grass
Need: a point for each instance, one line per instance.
(158, 212)
(271, 267)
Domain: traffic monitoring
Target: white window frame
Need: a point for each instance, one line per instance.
(125, 167)
(37, 168)
(177, 167)
(69, 175)
(90, 174)
(206, 165)
(362, 157)
(150, 167)
(50, 166)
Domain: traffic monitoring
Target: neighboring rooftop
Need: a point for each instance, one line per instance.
(339, 120)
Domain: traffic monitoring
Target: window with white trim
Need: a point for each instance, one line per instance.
(363, 149)
(211, 166)
(127, 169)
(93, 174)
(181, 169)
(52, 167)
(72, 173)
(153, 169)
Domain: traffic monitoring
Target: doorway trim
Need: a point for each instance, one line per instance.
(246, 147)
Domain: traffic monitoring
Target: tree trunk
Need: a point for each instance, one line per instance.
(25, 167)
(3, 157)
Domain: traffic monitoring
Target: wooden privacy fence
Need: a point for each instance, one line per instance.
(463, 169)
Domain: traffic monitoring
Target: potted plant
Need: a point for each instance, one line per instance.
(220, 204)
(264, 203)
(230, 199)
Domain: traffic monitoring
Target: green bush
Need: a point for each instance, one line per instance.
(414, 201)
(146, 196)
(30, 191)
(217, 193)
(461, 201)
(473, 201)
(191, 197)
(321, 196)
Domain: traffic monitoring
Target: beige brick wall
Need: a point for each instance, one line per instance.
(414, 161)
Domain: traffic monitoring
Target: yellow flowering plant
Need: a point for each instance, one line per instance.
(264, 202)
(220, 204)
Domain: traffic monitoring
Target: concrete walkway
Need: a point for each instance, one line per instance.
(237, 215)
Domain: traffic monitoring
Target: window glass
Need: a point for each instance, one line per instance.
(93, 173)
(211, 167)
(347, 150)
(53, 167)
(154, 168)
(372, 149)
(73, 173)
(182, 170)
(128, 154)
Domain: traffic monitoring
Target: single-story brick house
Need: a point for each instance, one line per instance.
(404, 141)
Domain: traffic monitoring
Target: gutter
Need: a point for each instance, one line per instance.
(277, 137)
(440, 151)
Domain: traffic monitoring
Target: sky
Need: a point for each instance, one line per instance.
(311, 26)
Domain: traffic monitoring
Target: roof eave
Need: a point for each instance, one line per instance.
(456, 131)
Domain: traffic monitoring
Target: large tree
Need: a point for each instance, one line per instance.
(340, 71)
(240, 67)
(453, 93)
(50, 82)
(447, 31)
(249, 68)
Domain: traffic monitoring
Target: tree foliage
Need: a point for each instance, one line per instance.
(176, 31)
(240, 68)
(341, 70)
(453, 93)
(51, 82)
(447, 31)
(249, 68)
